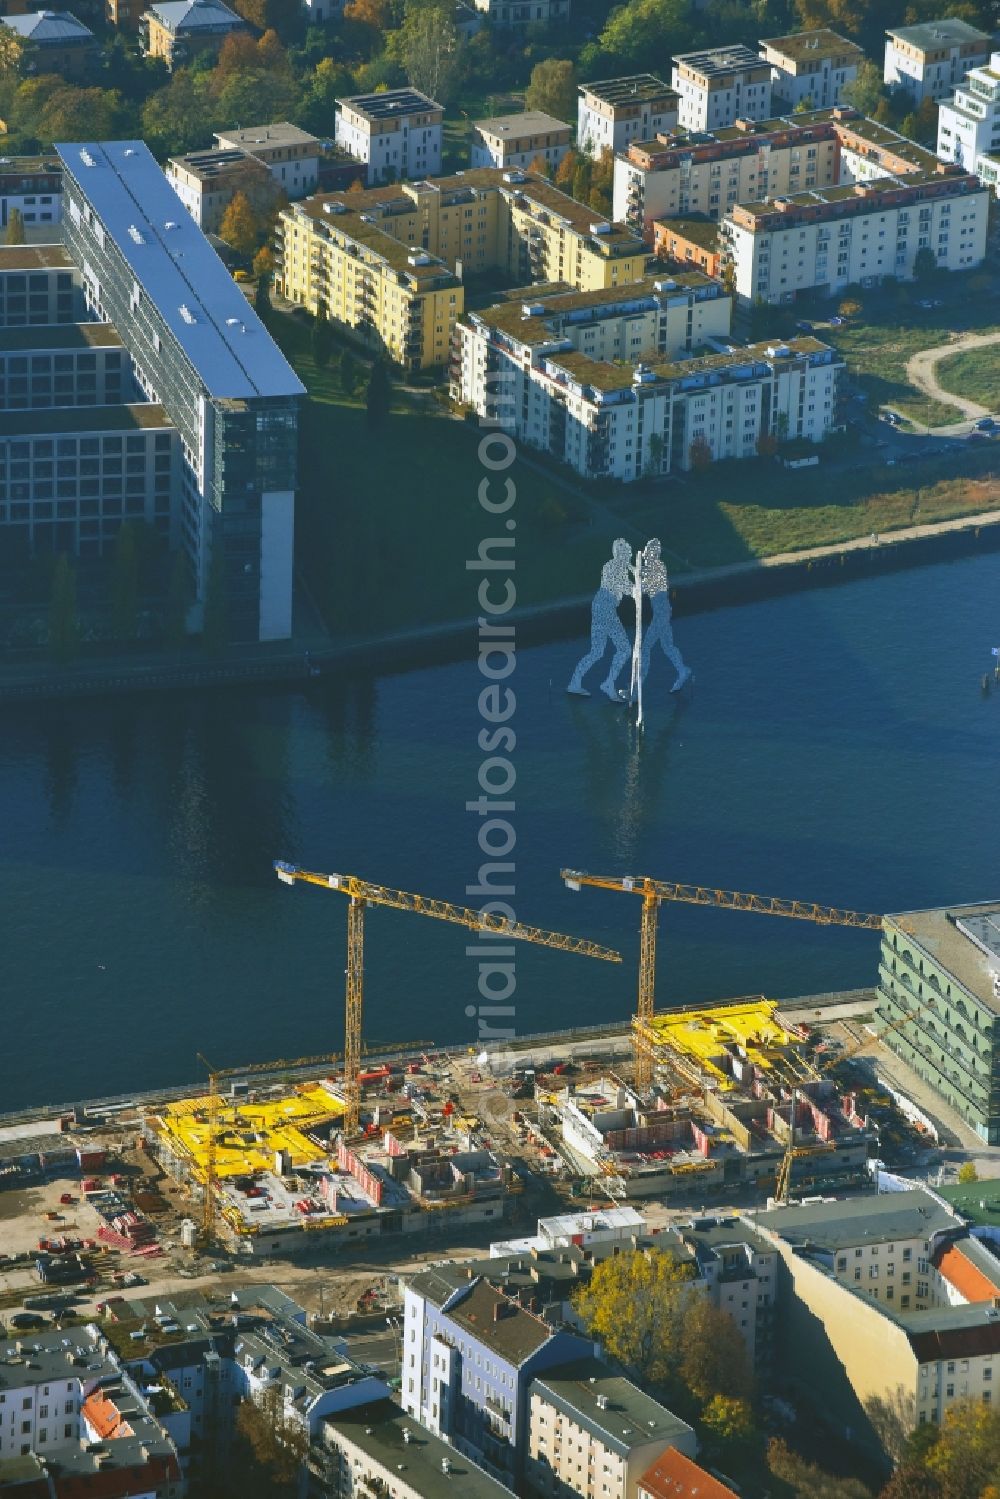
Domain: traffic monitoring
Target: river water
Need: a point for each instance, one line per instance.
(836, 747)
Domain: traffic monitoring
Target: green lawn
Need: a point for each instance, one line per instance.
(974, 374)
(756, 509)
(387, 519)
(892, 328)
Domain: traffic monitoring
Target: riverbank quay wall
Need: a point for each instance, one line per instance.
(409, 650)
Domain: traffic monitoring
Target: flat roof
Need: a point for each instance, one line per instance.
(704, 232)
(390, 103)
(609, 1407)
(432, 1468)
(284, 133)
(587, 370)
(554, 302)
(961, 939)
(209, 165)
(57, 420)
(929, 35)
(635, 88)
(207, 314)
(810, 46)
(34, 258)
(874, 1219)
(712, 61)
(529, 122)
(61, 336)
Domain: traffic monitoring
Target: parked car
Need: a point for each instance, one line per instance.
(985, 424)
(26, 1321)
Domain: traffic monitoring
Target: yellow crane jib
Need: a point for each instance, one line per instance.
(362, 893)
(654, 891)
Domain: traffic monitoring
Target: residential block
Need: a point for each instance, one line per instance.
(397, 133)
(519, 140)
(614, 112)
(719, 86)
(931, 59)
(811, 69)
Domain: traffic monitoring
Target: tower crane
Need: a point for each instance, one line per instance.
(362, 893)
(653, 892)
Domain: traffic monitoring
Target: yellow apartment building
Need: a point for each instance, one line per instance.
(422, 238)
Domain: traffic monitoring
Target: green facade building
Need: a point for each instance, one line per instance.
(941, 969)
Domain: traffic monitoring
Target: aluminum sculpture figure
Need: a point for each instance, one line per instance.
(605, 625)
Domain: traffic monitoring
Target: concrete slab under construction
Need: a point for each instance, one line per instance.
(249, 1132)
(716, 1045)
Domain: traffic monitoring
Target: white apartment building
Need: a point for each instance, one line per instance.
(397, 133)
(648, 415)
(719, 86)
(614, 112)
(378, 1449)
(811, 69)
(709, 174)
(929, 61)
(515, 14)
(829, 238)
(592, 1434)
(291, 155)
(969, 122)
(519, 140)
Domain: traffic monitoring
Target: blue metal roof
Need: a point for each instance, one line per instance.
(191, 15)
(49, 26)
(228, 346)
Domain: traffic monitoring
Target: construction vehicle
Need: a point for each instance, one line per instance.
(361, 893)
(653, 892)
(797, 1152)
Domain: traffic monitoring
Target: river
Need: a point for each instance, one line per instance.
(836, 747)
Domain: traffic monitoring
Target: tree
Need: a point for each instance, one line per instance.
(429, 49)
(125, 584)
(15, 228)
(64, 628)
(566, 171)
(540, 166)
(806, 1480)
(378, 397)
(240, 227)
(281, 16)
(322, 341)
(179, 117)
(849, 307)
(713, 1354)
(552, 88)
(727, 1424)
(699, 454)
(633, 1305)
(642, 29)
(350, 374)
(967, 1456)
(925, 266)
(866, 91)
(271, 1447)
(967, 1173)
(374, 13)
(767, 445)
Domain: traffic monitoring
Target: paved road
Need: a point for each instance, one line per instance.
(920, 371)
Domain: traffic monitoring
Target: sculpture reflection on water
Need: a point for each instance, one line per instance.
(620, 575)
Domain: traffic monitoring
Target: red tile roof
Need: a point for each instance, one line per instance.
(674, 1476)
(959, 1271)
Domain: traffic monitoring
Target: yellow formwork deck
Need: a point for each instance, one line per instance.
(701, 1036)
(248, 1134)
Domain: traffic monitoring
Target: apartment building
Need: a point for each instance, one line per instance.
(593, 1434)
(125, 15)
(292, 156)
(469, 1356)
(379, 1449)
(938, 983)
(855, 1354)
(647, 416)
(930, 60)
(811, 69)
(198, 351)
(397, 134)
(830, 238)
(207, 181)
(969, 122)
(514, 15)
(69, 1409)
(674, 1476)
(689, 242)
(32, 185)
(719, 86)
(520, 140)
(614, 112)
(707, 174)
(59, 43)
(388, 261)
(180, 30)
(334, 260)
(882, 1246)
